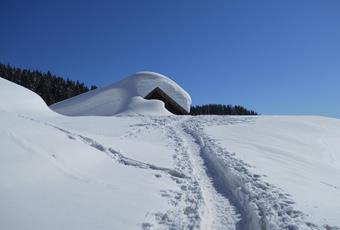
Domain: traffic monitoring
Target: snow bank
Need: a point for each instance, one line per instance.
(125, 96)
(15, 98)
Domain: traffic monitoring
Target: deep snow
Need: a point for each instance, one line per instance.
(164, 172)
(124, 172)
(300, 155)
(125, 96)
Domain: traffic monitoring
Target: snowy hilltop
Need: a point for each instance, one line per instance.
(161, 172)
(126, 96)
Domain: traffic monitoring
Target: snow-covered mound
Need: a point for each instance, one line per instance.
(125, 96)
(15, 98)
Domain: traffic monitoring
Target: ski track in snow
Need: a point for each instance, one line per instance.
(185, 203)
(217, 190)
(260, 204)
(116, 155)
(214, 211)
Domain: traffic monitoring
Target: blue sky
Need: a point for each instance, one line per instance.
(276, 57)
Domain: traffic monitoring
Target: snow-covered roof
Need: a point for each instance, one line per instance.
(125, 96)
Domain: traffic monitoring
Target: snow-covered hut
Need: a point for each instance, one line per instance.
(141, 93)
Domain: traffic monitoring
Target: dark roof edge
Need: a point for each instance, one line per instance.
(168, 98)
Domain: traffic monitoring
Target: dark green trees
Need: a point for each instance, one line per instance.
(219, 109)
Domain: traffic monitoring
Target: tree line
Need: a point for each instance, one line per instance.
(52, 89)
(220, 109)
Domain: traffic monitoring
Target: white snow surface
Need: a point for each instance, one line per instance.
(125, 96)
(15, 98)
(164, 172)
(300, 155)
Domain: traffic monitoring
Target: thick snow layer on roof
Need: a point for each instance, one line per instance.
(125, 96)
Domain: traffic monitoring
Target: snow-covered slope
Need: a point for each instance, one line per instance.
(164, 172)
(300, 155)
(15, 98)
(125, 96)
(83, 173)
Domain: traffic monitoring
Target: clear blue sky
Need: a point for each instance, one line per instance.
(276, 57)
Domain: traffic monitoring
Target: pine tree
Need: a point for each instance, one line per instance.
(220, 109)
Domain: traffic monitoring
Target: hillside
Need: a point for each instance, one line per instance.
(164, 172)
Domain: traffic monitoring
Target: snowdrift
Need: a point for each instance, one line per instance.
(15, 98)
(125, 96)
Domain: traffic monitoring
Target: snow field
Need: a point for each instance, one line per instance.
(164, 172)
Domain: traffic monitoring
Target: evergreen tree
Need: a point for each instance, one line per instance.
(220, 109)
